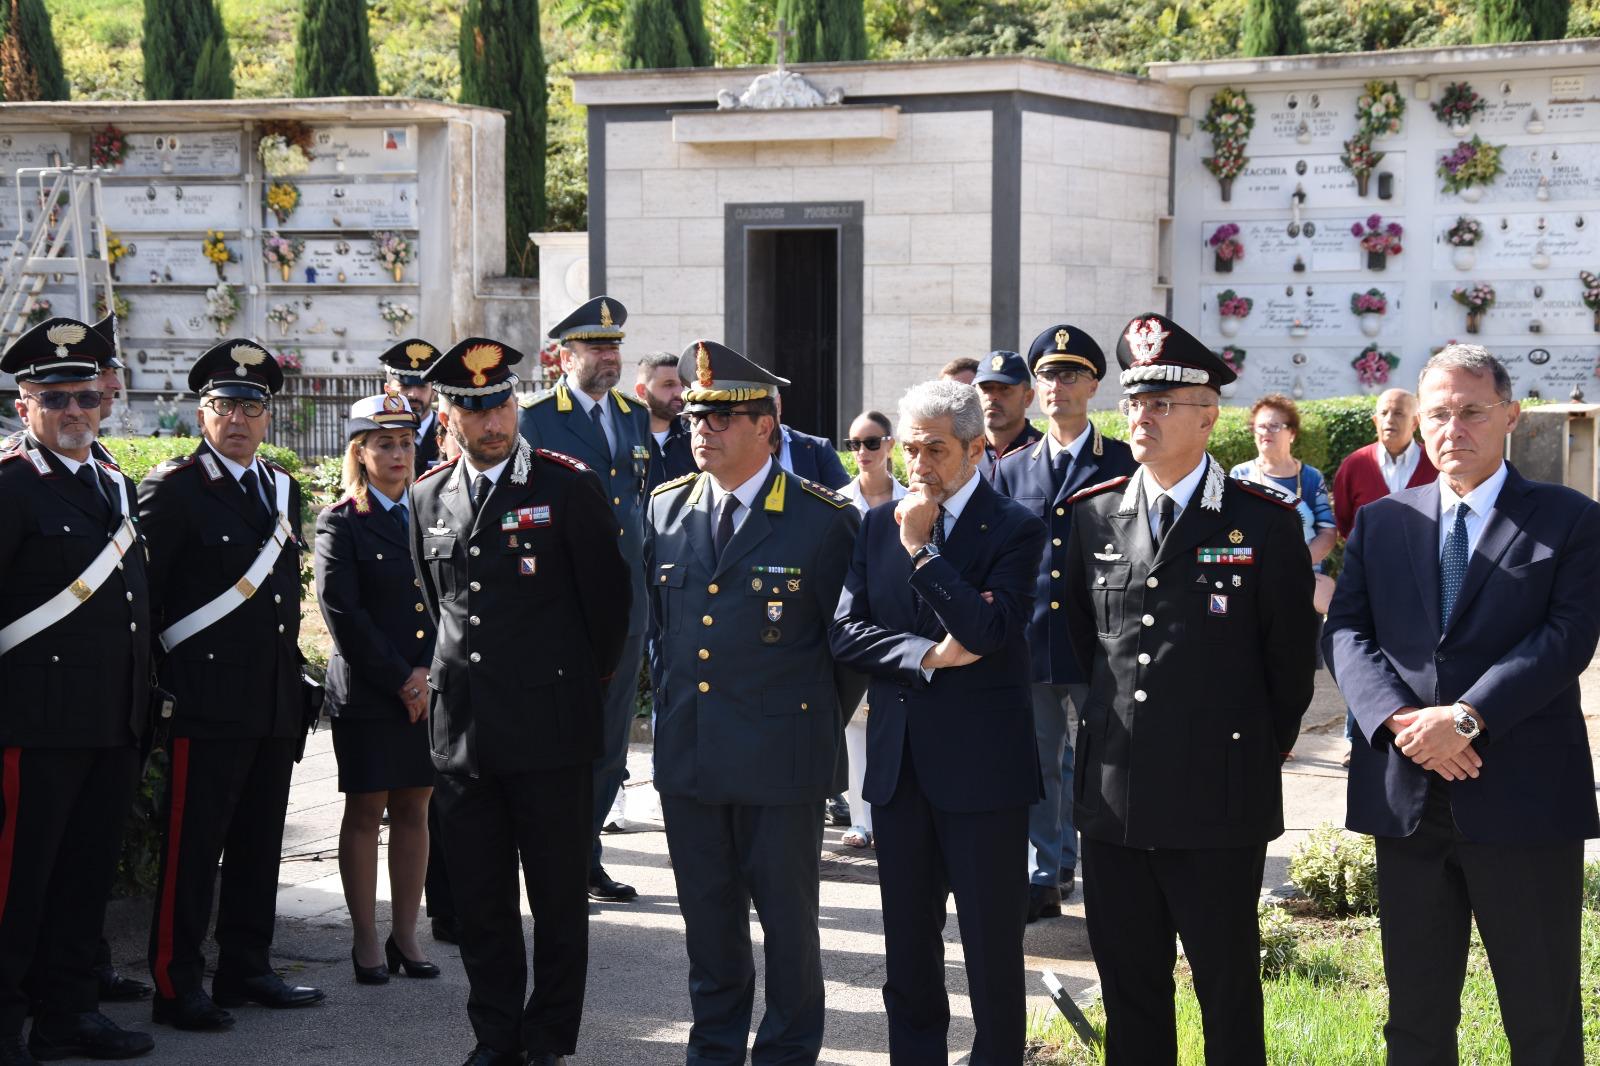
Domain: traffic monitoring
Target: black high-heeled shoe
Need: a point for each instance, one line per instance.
(369, 975)
(413, 967)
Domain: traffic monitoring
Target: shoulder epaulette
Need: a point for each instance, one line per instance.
(277, 468)
(16, 453)
(358, 504)
(824, 493)
(13, 442)
(526, 402)
(1095, 490)
(622, 401)
(177, 462)
(1266, 492)
(674, 483)
(561, 457)
(432, 470)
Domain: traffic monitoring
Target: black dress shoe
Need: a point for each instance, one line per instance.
(444, 931)
(13, 1053)
(1068, 884)
(193, 1011)
(90, 1036)
(602, 888)
(412, 967)
(115, 988)
(546, 1058)
(839, 812)
(368, 975)
(488, 1056)
(267, 989)
(1044, 901)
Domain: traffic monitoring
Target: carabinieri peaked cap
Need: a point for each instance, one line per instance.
(1004, 367)
(475, 374)
(407, 361)
(1065, 346)
(720, 377)
(238, 368)
(107, 328)
(56, 351)
(600, 319)
(1157, 354)
(388, 410)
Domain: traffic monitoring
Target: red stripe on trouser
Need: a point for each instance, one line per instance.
(169, 884)
(10, 786)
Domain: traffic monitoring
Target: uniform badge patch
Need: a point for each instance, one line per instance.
(528, 565)
(774, 610)
(1236, 537)
(1219, 604)
(794, 584)
(1237, 581)
(755, 584)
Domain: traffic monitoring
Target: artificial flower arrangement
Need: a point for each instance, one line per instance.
(119, 303)
(222, 306)
(1226, 246)
(108, 147)
(395, 313)
(1380, 108)
(282, 252)
(1378, 239)
(1477, 299)
(1373, 366)
(1469, 166)
(282, 199)
(289, 361)
(1371, 302)
(393, 251)
(217, 251)
(1591, 295)
(1233, 357)
(38, 310)
(1229, 120)
(285, 148)
(282, 315)
(1464, 232)
(1457, 105)
(1231, 305)
(550, 362)
(1361, 159)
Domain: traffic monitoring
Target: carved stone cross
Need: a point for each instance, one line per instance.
(782, 35)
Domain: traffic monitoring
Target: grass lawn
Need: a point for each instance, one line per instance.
(1329, 1005)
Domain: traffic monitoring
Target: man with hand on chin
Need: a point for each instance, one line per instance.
(935, 611)
(1463, 619)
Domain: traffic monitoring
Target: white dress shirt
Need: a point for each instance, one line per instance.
(604, 403)
(469, 475)
(1181, 494)
(853, 492)
(1480, 499)
(958, 503)
(262, 479)
(1397, 471)
(746, 493)
(1075, 445)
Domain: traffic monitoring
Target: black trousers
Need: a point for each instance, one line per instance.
(923, 855)
(1136, 901)
(724, 858)
(61, 818)
(489, 822)
(1527, 900)
(441, 902)
(226, 800)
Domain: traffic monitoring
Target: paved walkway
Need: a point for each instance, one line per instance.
(637, 1004)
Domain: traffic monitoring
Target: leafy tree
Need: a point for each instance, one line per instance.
(1521, 20)
(1272, 28)
(333, 56)
(186, 53)
(30, 63)
(824, 30)
(502, 65)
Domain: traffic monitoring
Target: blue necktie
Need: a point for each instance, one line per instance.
(1059, 467)
(1453, 564)
(398, 513)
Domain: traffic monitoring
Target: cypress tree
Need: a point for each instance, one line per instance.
(502, 65)
(186, 54)
(30, 63)
(1500, 21)
(333, 56)
(824, 30)
(1272, 28)
(665, 33)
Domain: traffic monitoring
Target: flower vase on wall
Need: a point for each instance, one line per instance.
(1362, 183)
(1223, 266)
(1228, 325)
(1471, 194)
(1464, 257)
(1225, 185)
(1371, 324)
(1474, 320)
(1377, 261)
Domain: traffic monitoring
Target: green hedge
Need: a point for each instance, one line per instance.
(139, 455)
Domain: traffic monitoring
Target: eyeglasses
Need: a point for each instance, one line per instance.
(226, 405)
(1061, 377)
(719, 421)
(871, 444)
(60, 400)
(1160, 408)
(1473, 414)
(1272, 427)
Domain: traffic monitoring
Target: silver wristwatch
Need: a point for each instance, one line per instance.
(1466, 725)
(929, 550)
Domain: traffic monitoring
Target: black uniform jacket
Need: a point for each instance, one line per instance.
(238, 679)
(750, 698)
(85, 681)
(1201, 661)
(427, 450)
(531, 598)
(989, 461)
(372, 602)
(672, 458)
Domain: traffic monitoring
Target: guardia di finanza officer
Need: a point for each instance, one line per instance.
(516, 550)
(746, 561)
(1189, 603)
(75, 673)
(587, 417)
(225, 543)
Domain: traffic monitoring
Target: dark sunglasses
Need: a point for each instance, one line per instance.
(719, 421)
(871, 444)
(58, 400)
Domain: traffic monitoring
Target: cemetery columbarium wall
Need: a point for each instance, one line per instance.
(1483, 167)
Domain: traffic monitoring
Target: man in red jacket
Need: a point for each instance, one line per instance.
(1393, 462)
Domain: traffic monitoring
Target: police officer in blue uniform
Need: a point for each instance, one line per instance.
(586, 416)
(1188, 597)
(746, 561)
(1067, 366)
(404, 364)
(1007, 391)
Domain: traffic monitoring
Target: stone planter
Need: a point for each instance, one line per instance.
(1463, 257)
(1371, 324)
(1228, 325)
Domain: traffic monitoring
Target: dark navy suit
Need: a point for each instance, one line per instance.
(672, 458)
(951, 763)
(1027, 477)
(814, 459)
(1504, 847)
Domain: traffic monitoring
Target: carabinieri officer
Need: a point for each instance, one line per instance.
(75, 671)
(1189, 601)
(746, 563)
(587, 417)
(517, 553)
(225, 542)
(404, 364)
